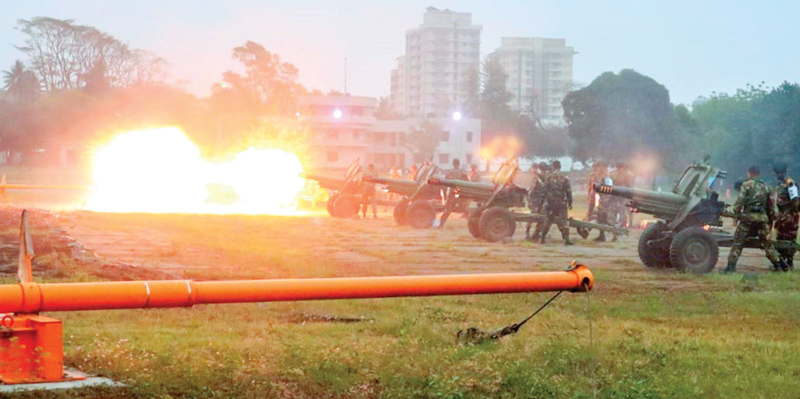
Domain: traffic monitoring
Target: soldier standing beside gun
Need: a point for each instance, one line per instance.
(559, 201)
(536, 199)
(622, 177)
(786, 197)
(599, 171)
(474, 175)
(368, 193)
(605, 207)
(452, 202)
(754, 209)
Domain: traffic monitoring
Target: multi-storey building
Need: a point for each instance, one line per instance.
(429, 78)
(539, 75)
(347, 130)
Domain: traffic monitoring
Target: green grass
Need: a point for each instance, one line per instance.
(654, 335)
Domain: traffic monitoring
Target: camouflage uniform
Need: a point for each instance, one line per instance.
(536, 199)
(622, 177)
(368, 194)
(786, 221)
(605, 208)
(559, 200)
(453, 203)
(754, 208)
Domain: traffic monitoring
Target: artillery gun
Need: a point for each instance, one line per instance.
(419, 204)
(493, 219)
(346, 197)
(689, 234)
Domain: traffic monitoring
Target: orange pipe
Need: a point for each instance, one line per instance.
(33, 297)
(40, 187)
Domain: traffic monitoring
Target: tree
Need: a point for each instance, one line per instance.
(385, 111)
(268, 81)
(21, 83)
(62, 53)
(471, 86)
(621, 114)
(423, 140)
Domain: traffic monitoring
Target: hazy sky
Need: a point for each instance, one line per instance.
(692, 47)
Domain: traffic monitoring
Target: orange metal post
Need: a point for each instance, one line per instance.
(31, 349)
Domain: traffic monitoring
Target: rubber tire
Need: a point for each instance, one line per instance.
(497, 224)
(693, 249)
(420, 215)
(330, 203)
(399, 212)
(346, 206)
(656, 257)
(473, 224)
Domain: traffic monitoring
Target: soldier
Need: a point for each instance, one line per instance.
(452, 202)
(559, 202)
(605, 207)
(622, 177)
(786, 198)
(754, 210)
(536, 198)
(474, 175)
(394, 173)
(412, 173)
(368, 193)
(599, 170)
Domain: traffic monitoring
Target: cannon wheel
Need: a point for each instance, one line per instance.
(694, 250)
(420, 215)
(473, 223)
(497, 224)
(655, 255)
(329, 204)
(346, 206)
(399, 212)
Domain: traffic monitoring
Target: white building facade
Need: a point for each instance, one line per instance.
(347, 130)
(428, 80)
(539, 75)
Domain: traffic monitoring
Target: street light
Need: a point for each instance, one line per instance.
(457, 116)
(337, 113)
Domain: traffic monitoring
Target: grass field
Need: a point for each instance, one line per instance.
(653, 334)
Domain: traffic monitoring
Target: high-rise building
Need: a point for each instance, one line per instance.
(539, 75)
(429, 77)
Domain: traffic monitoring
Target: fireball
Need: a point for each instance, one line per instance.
(161, 171)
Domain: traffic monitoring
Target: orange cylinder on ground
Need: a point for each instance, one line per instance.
(32, 297)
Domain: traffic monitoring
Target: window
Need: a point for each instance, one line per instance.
(469, 159)
(333, 134)
(444, 158)
(333, 156)
(393, 139)
(445, 136)
(469, 137)
(356, 134)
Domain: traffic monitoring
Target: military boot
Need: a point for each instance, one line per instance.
(782, 266)
(731, 268)
(601, 237)
(790, 263)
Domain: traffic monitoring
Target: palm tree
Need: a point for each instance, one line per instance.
(21, 83)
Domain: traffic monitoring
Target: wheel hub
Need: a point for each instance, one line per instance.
(696, 252)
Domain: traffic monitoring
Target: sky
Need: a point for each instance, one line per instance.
(692, 47)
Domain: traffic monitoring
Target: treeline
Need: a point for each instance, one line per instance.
(629, 117)
(76, 84)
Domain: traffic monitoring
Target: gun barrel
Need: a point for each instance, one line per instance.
(638, 194)
(400, 186)
(665, 205)
(33, 297)
(329, 182)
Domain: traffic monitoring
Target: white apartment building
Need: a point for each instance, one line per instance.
(429, 77)
(347, 130)
(539, 75)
